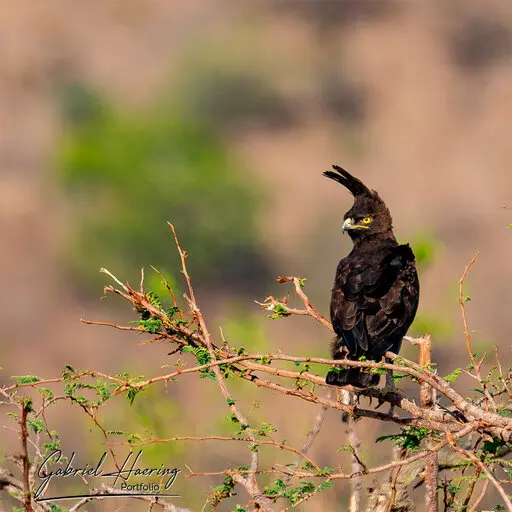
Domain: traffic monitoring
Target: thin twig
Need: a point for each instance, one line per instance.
(27, 491)
(480, 498)
(311, 311)
(476, 365)
(483, 467)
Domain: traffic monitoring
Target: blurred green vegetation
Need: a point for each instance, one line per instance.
(128, 172)
(148, 416)
(437, 325)
(245, 328)
(426, 247)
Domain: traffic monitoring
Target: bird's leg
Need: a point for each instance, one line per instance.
(348, 398)
(345, 396)
(390, 386)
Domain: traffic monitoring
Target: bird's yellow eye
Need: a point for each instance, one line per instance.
(367, 220)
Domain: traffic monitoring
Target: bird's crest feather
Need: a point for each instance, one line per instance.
(355, 186)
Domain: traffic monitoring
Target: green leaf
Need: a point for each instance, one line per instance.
(102, 390)
(134, 438)
(265, 429)
(295, 494)
(275, 488)
(27, 402)
(493, 446)
(46, 393)
(348, 448)
(154, 299)
(67, 372)
(278, 312)
(36, 425)
(152, 325)
(55, 508)
(225, 490)
(453, 376)
(69, 388)
(324, 472)
(52, 445)
(132, 393)
(410, 437)
(326, 484)
(25, 379)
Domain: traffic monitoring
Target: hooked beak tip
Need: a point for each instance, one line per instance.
(346, 225)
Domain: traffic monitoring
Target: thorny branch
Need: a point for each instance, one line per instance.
(249, 480)
(443, 426)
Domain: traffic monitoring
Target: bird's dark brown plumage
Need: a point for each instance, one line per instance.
(376, 289)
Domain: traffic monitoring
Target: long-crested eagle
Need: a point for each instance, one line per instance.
(376, 288)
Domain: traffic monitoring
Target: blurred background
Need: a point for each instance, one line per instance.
(219, 116)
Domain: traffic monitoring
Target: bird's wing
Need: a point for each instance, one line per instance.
(397, 307)
(346, 311)
(374, 301)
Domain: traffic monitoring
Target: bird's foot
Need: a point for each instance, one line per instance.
(389, 388)
(392, 390)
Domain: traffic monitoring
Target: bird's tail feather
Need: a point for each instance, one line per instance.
(352, 376)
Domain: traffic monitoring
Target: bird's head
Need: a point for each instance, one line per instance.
(369, 215)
